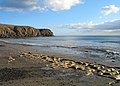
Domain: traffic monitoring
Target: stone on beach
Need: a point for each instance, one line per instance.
(89, 71)
(90, 68)
(117, 77)
(10, 59)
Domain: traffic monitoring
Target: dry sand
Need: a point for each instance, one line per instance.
(29, 72)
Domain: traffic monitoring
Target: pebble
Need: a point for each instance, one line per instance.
(117, 77)
(10, 59)
(90, 68)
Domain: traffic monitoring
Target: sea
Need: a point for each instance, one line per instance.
(102, 47)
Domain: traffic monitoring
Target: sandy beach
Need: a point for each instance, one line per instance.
(34, 72)
(59, 43)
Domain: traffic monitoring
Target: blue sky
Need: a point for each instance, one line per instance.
(64, 17)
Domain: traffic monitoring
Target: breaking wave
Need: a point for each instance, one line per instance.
(46, 45)
(3, 40)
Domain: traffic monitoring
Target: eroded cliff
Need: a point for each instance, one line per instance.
(12, 31)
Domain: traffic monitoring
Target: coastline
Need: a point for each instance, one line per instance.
(30, 72)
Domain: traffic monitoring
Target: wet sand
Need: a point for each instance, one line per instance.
(34, 72)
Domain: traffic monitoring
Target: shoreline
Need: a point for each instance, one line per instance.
(38, 72)
(33, 49)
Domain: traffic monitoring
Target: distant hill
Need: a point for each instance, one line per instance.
(13, 31)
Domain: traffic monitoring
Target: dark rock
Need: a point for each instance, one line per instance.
(12, 31)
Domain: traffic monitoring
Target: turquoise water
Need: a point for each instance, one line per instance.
(83, 46)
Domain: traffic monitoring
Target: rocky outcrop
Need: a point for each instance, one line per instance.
(12, 31)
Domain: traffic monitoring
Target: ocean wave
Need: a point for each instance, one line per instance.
(47, 45)
(118, 42)
(112, 52)
(82, 48)
(3, 40)
(32, 44)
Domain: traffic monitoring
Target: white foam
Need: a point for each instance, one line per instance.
(3, 40)
(31, 43)
(110, 51)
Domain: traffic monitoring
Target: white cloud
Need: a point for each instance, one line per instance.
(77, 26)
(110, 9)
(110, 31)
(30, 5)
(20, 5)
(10, 9)
(109, 26)
(57, 5)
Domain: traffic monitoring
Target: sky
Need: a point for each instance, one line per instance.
(64, 17)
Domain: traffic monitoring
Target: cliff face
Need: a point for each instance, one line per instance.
(12, 31)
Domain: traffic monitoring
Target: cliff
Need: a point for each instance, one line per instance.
(12, 31)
